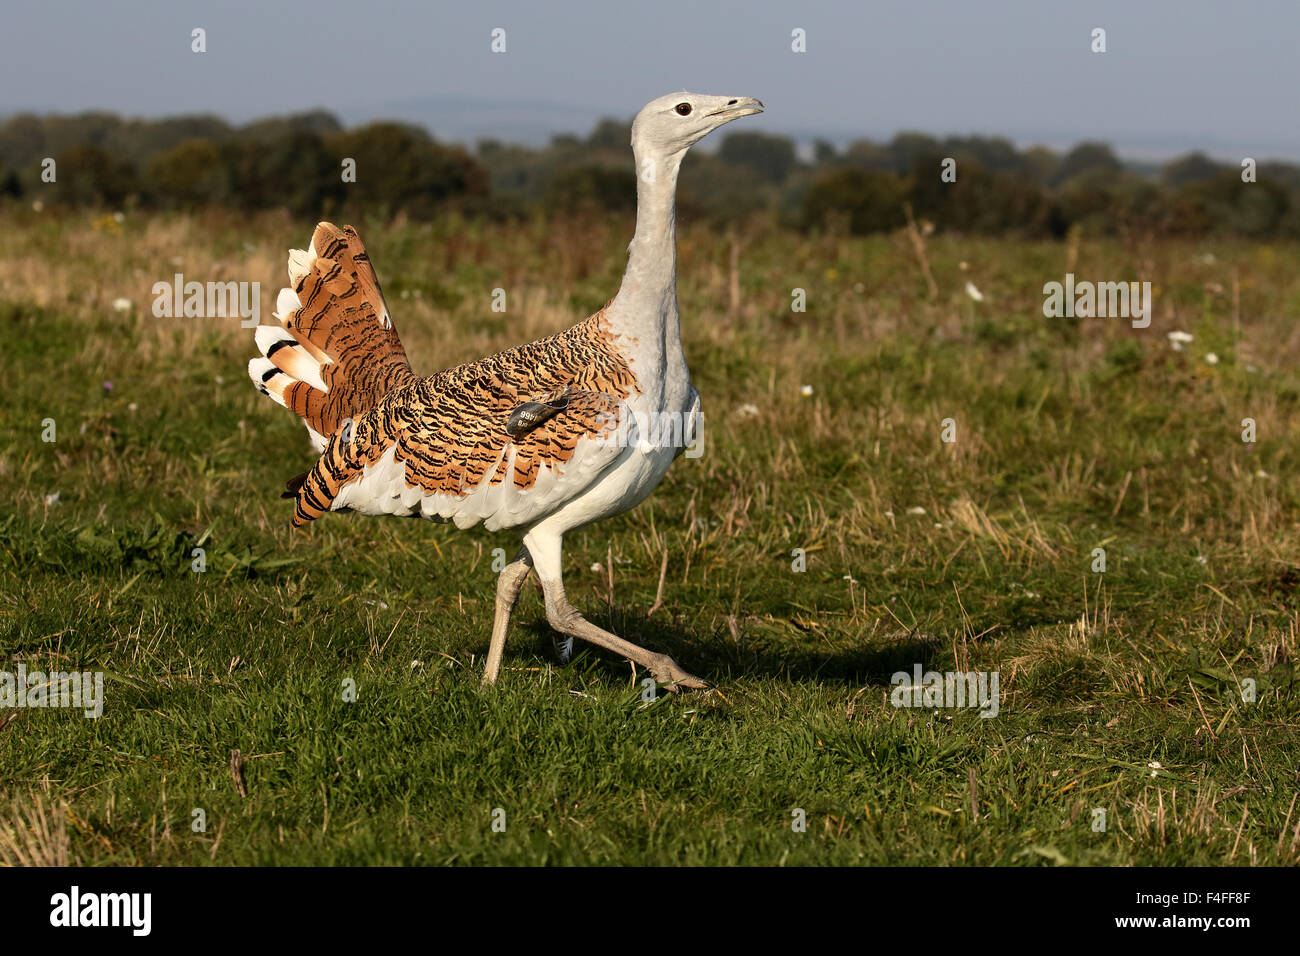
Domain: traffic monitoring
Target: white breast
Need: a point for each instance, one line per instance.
(657, 441)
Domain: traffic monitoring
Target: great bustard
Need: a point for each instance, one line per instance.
(542, 438)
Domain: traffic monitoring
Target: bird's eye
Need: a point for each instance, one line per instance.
(684, 109)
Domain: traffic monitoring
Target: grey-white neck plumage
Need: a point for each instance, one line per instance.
(643, 316)
(644, 312)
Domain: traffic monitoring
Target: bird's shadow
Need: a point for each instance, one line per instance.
(719, 658)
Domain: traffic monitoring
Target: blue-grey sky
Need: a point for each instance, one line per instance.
(1177, 75)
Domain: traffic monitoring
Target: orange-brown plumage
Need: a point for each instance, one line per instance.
(343, 318)
(449, 432)
(449, 429)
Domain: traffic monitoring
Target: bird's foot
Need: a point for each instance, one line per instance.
(563, 647)
(674, 679)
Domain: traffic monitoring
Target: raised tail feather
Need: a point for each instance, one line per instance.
(335, 352)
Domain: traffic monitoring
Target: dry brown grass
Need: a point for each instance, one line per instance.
(33, 833)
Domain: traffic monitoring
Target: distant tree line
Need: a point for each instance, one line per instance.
(983, 185)
(295, 162)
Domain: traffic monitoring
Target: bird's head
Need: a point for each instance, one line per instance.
(672, 124)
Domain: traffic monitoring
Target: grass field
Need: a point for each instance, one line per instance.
(1121, 690)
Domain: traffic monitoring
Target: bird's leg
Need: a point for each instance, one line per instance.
(509, 583)
(564, 617)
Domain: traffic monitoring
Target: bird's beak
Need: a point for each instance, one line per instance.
(743, 106)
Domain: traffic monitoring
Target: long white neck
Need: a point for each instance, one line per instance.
(645, 309)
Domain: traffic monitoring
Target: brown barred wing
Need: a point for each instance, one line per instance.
(447, 454)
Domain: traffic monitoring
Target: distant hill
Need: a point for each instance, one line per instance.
(466, 121)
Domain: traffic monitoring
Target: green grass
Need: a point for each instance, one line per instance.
(1070, 436)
